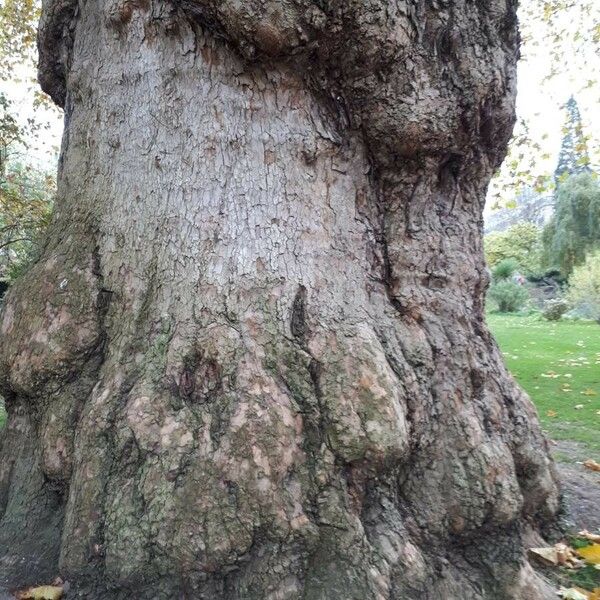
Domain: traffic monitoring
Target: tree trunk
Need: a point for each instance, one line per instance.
(252, 360)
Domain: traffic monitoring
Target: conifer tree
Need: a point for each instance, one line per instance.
(573, 157)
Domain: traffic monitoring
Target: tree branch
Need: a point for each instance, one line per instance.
(23, 239)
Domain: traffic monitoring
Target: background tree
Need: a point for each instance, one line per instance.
(252, 360)
(25, 205)
(575, 227)
(26, 190)
(521, 242)
(584, 287)
(567, 36)
(18, 22)
(573, 158)
(25, 197)
(11, 134)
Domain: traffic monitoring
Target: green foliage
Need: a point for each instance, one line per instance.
(25, 192)
(508, 296)
(18, 60)
(10, 131)
(25, 205)
(584, 287)
(578, 542)
(521, 242)
(18, 22)
(554, 309)
(575, 227)
(588, 577)
(25, 197)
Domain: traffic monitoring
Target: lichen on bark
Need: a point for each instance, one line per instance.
(252, 361)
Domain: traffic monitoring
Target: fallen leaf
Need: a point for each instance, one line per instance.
(572, 594)
(42, 592)
(547, 556)
(551, 413)
(592, 465)
(557, 555)
(591, 554)
(551, 375)
(589, 392)
(592, 537)
(578, 406)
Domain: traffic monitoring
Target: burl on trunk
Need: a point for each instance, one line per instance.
(252, 361)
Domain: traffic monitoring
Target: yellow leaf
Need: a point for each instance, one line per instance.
(589, 392)
(592, 465)
(42, 592)
(591, 554)
(551, 413)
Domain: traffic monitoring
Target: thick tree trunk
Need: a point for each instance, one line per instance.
(252, 361)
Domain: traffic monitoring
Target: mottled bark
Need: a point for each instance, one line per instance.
(252, 361)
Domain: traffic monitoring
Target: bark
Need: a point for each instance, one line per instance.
(252, 361)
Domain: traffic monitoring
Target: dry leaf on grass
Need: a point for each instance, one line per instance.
(573, 594)
(550, 374)
(557, 555)
(42, 592)
(592, 537)
(545, 555)
(592, 465)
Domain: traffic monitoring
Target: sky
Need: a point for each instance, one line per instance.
(574, 59)
(569, 50)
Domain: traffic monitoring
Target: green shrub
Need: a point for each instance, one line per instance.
(554, 309)
(504, 269)
(509, 296)
(584, 287)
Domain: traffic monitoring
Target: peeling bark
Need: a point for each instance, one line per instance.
(252, 361)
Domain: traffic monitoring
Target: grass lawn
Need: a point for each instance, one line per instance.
(558, 365)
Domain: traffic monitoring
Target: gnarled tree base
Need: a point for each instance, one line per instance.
(252, 361)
